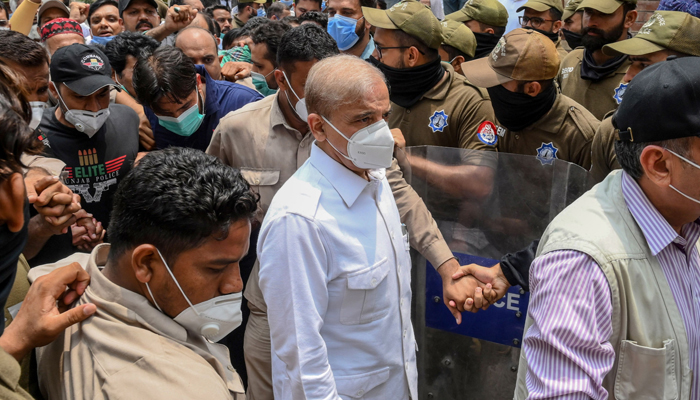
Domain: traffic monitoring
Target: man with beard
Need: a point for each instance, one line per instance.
(487, 19)
(247, 9)
(540, 122)
(104, 21)
(433, 105)
(142, 16)
(349, 28)
(665, 34)
(544, 16)
(589, 76)
(222, 15)
(571, 30)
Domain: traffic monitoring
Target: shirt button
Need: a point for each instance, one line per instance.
(256, 181)
(374, 282)
(401, 302)
(406, 366)
(360, 393)
(408, 111)
(404, 334)
(517, 136)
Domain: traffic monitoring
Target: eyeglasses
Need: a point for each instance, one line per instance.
(4, 23)
(382, 48)
(535, 22)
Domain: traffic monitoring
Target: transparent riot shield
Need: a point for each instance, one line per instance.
(503, 203)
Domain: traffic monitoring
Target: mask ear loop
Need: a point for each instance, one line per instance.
(176, 282)
(689, 162)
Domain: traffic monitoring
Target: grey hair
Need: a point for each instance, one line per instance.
(629, 153)
(324, 95)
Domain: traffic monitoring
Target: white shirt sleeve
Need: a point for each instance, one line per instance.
(293, 280)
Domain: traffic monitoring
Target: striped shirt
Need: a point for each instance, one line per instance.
(567, 346)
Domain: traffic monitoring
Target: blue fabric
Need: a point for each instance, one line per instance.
(691, 7)
(221, 98)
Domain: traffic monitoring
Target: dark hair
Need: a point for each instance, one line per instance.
(453, 52)
(270, 34)
(497, 30)
(369, 3)
(210, 10)
(290, 20)
(167, 72)
(7, 9)
(316, 17)
(175, 199)
(627, 7)
(555, 14)
(99, 3)
(320, 2)
(277, 9)
(212, 25)
(381, 4)
(405, 39)
(628, 153)
(128, 44)
(305, 43)
(255, 22)
(22, 50)
(232, 35)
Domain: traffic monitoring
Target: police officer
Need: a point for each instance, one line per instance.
(458, 44)
(666, 33)
(571, 30)
(589, 76)
(432, 105)
(487, 19)
(544, 16)
(247, 9)
(538, 121)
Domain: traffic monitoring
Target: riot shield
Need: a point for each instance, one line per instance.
(506, 201)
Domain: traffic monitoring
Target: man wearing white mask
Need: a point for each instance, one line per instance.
(97, 141)
(334, 256)
(166, 288)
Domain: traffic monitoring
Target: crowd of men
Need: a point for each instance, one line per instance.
(207, 198)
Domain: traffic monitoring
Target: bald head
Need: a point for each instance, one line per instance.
(323, 94)
(200, 45)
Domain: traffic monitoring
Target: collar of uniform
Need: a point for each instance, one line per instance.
(552, 121)
(114, 298)
(439, 92)
(211, 103)
(238, 21)
(657, 231)
(348, 184)
(277, 117)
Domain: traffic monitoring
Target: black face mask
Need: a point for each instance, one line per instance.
(408, 85)
(517, 111)
(11, 246)
(485, 42)
(572, 38)
(554, 37)
(594, 72)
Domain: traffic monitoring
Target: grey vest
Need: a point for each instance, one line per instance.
(649, 337)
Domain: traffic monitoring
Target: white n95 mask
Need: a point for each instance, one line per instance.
(38, 108)
(87, 122)
(213, 319)
(300, 107)
(371, 147)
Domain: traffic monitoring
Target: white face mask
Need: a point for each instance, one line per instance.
(368, 148)
(87, 122)
(691, 163)
(37, 112)
(213, 319)
(300, 107)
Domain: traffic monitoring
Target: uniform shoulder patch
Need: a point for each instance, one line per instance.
(438, 121)
(547, 153)
(487, 133)
(619, 92)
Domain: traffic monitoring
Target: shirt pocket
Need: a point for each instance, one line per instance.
(260, 177)
(356, 386)
(366, 297)
(646, 372)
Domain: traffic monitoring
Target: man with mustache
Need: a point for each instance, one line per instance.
(104, 20)
(588, 76)
(142, 16)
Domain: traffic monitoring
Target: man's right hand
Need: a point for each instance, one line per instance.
(45, 311)
(181, 19)
(233, 71)
(497, 285)
(54, 201)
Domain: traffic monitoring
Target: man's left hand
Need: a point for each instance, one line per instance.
(79, 11)
(180, 19)
(233, 71)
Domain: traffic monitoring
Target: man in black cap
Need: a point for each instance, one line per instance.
(97, 141)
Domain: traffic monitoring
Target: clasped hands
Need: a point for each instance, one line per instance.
(471, 287)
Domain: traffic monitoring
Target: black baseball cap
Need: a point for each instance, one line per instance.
(82, 68)
(123, 4)
(661, 103)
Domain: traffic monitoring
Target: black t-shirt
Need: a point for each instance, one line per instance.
(96, 164)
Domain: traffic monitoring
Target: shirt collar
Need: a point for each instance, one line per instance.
(657, 231)
(277, 117)
(348, 184)
(211, 103)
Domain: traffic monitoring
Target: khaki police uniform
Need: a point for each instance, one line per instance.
(258, 140)
(597, 97)
(237, 23)
(564, 133)
(563, 48)
(452, 114)
(603, 157)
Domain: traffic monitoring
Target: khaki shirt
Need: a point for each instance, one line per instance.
(9, 378)
(452, 114)
(130, 350)
(603, 157)
(257, 140)
(237, 23)
(53, 166)
(598, 97)
(564, 133)
(563, 49)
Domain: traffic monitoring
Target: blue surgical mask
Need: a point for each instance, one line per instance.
(260, 82)
(103, 40)
(342, 29)
(287, 3)
(261, 12)
(186, 124)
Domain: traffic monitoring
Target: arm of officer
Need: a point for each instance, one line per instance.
(293, 280)
(566, 347)
(603, 157)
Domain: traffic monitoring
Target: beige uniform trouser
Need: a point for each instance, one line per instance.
(258, 357)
